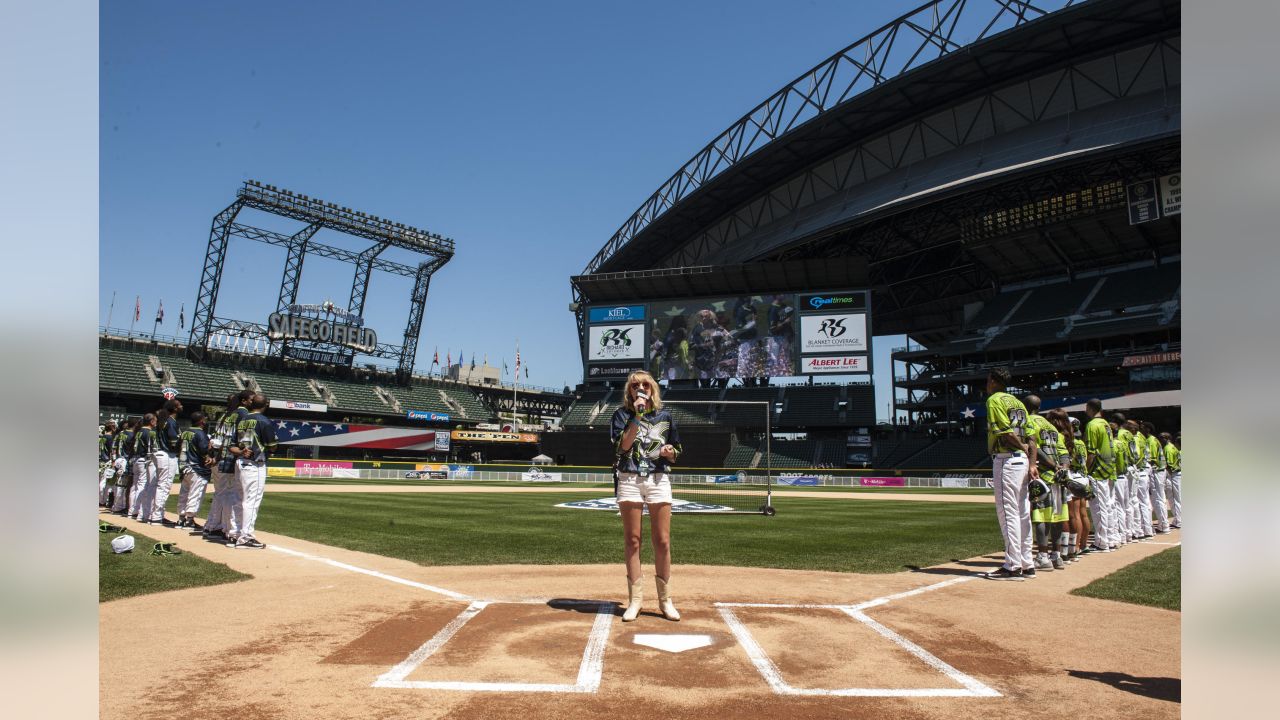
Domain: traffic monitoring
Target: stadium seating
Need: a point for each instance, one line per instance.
(805, 406)
(741, 456)
(891, 454)
(1053, 301)
(125, 371)
(1137, 287)
(793, 453)
(947, 453)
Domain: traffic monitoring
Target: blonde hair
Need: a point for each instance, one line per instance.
(655, 392)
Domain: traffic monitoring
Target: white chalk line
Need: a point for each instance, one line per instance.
(971, 687)
(589, 671)
(375, 573)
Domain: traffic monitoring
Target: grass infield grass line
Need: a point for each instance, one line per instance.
(141, 573)
(1155, 581)
(494, 529)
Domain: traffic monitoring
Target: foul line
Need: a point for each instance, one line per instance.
(856, 606)
(374, 573)
(589, 672)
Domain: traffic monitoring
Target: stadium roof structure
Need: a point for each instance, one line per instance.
(940, 148)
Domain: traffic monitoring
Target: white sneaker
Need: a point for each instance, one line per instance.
(1042, 563)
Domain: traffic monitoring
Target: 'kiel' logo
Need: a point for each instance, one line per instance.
(615, 338)
(832, 327)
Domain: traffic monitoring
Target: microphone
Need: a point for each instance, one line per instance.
(642, 401)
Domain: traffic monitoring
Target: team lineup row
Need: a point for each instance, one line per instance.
(138, 464)
(1056, 486)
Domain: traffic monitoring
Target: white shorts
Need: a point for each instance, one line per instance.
(655, 489)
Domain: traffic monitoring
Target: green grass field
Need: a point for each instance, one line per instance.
(139, 572)
(1154, 581)
(504, 483)
(482, 529)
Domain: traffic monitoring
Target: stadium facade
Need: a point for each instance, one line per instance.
(1004, 178)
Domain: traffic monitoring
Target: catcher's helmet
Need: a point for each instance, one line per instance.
(1039, 493)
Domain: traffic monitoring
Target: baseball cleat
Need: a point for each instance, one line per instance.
(1003, 574)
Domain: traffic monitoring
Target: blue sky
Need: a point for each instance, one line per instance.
(526, 132)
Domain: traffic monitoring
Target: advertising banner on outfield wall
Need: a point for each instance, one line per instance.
(324, 468)
(610, 343)
(833, 332)
(296, 405)
(605, 371)
(882, 482)
(427, 415)
(490, 436)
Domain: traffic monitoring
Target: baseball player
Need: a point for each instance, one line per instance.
(142, 497)
(1048, 507)
(1009, 446)
(194, 453)
(255, 441)
(165, 458)
(218, 527)
(1151, 449)
(1138, 480)
(1100, 463)
(1173, 476)
(106, 469)
(123, 466)
(1121, 493)
(1081, 526)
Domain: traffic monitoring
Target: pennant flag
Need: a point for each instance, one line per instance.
(473, 361)
(160, 313)
(448, 360)
(517, 359)
(435, 359)
(182, 317)
(137, 308)
(526, 372)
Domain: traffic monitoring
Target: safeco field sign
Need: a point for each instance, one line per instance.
(839, 364)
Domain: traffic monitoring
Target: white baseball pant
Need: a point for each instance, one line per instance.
(122, 491)
(144, 477)
(1100, 509)
(105, 474)
(166, 468)
(1010, 482)
(1138, 483)
(1158, 498)
(1120, 511)
(251, 477)
(225, 496)
(192, 491)
(1174, 484)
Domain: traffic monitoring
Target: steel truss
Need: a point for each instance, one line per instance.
(317, 215)
(931, 31)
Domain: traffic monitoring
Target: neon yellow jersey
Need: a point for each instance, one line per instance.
(1125, 446)
(1157, 457)
(1047, 437)
(1078, 455)
(1173, 457)
(1005, 414)
(1100, 445)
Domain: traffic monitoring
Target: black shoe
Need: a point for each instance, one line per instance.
(1029, 573)
(191, 523)
(1003, 573)
(251, 543)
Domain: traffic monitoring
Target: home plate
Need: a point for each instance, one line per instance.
(673, 643)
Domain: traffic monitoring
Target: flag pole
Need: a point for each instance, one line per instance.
(111, 309)
(156, 324)
(515, 390)
(137, 303)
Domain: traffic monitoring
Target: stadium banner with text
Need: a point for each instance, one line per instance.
(1165, 358)
(324, 468)
(615, 313)
(813, 364)
(295, 405)
(490, 436)
(827, 302)
(612, 343)
(604, 371)
(1171, 195)
(427, 415)
(832, 332)
(882, 482)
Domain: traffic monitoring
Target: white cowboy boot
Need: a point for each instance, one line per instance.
(633, 604)
(667, 607)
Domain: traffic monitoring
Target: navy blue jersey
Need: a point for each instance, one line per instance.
(256, 433)
(104, 446)
(657, 428)
(224, 436)
(145, 442)
(168, 437)
(129, 445)
(195, 448)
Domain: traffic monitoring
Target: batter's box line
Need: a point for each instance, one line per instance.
(589, 671)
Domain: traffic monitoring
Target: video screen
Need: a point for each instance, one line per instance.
(749, 336)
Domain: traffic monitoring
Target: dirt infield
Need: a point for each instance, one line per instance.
(322, 632)
(335, 488)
